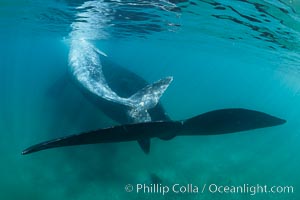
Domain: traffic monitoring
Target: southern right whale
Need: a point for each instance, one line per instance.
(211, 123)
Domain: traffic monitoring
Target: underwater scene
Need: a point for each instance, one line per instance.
(149, 99)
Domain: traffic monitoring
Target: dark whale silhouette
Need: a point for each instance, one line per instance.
(211, 123)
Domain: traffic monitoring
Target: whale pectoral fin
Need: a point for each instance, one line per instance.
(145, 145)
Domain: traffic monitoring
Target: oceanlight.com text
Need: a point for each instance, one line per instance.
(208, 188)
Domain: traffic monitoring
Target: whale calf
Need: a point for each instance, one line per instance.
(86, 66)
(215, 122)
(124, 83)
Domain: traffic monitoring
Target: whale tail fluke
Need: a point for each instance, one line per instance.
(229, 121)
(211, 123)
(147, 98)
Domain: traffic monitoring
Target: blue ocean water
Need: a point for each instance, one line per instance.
(221, 54)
